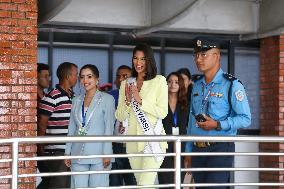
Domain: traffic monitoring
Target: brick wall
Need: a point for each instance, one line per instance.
(18, 58)
(272, 103)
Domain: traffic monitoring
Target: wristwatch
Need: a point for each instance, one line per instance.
(218, 128)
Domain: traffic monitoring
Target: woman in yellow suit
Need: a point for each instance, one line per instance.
(149, 92)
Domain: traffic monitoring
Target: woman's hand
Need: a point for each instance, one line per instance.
(67, 162)
(134, 91)
(106, 162)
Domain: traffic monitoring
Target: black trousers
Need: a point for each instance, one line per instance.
(213, 162)
(54, 166)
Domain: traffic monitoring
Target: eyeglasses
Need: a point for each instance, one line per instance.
(201, 55)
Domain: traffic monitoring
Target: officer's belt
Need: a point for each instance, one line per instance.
(204, 144)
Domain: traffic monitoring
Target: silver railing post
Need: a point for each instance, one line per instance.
(15, 164)
(178, 163)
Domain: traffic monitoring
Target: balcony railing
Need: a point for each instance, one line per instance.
(176, 139)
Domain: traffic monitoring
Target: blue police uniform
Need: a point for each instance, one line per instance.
(231, 110)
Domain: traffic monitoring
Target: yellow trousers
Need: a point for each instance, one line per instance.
(146, 178)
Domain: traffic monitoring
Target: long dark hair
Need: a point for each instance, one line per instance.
(182, 93)
(151, 68)
(93, 68)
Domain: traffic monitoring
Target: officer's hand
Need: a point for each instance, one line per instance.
(187, 162)
(106, 162)
(209, 124)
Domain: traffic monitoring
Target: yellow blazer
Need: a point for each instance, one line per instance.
(154, 95)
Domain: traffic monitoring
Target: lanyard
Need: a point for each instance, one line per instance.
(83, 116)
(175, 119)
(205, 99)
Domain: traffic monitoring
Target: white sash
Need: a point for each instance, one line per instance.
(151, 147)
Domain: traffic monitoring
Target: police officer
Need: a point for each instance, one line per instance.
(219, 107)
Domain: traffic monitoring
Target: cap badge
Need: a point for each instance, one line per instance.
(198, 43)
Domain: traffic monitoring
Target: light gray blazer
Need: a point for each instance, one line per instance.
(99, 121)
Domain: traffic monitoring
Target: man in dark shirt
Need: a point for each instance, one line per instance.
(54, 115)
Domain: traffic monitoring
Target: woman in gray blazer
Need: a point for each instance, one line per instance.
(92, 113)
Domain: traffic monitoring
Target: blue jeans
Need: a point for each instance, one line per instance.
(213, 162)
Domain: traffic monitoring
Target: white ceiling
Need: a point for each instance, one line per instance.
(248, 18)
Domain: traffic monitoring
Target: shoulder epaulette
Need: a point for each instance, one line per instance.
(196, 77)
(230, 77)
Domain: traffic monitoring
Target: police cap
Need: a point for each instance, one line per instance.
(202, 44)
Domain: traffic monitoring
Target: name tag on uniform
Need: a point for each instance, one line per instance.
(175, 130)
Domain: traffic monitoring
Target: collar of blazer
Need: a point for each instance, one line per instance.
(93, 106)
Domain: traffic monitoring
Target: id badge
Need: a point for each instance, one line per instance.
(175, 130)
(82, 132)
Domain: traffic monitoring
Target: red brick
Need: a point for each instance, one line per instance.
(5, 134)
(27, 81)
(31, 30)
(31, 45)
(32, 89)
(17, 89)
(5, 119)
(27, 96)
(31, 119)
(8, 81)
(17, 104)
(7, 126)
(8, 96)
(27, 7)
(17, 119)
(21, 30)
(18, 15)
(19, 59)
(26, 111)
(4, 89)
(8, 6)
(8, 37)
(22, 37)
(4, 148)
(5, 14)
(8, 111)
(30, 74)
(32, 59)
(31, 15)
(8, 22)
(27, 126)
(18, 44)
(5, 1)
(18, 1)
(30, 104)
(4, 29)
(4, 103)
(27, 67)
(31, 2)
(5, 59)
(5, 44)
(5, 73)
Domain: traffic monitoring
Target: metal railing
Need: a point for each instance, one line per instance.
(176, 139)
